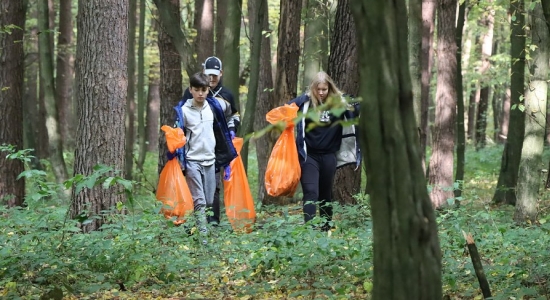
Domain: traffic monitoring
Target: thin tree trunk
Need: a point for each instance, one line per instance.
(473, 102)
(153, 109)
(204, 24)
(535, 109)
(486, 52)
(141, 103)
(428, 26)
(443, 142)
(407, 259)
(64, 76)
(460, 133)
(221, 19)
(101, 75)
(12, 190)
(315, 27)
(47, 81)
(232, 31)
(509, 167)
(131, 97)
(265, 102)
(343, 68)
(415, 55)
(505, 115)
(170, 77)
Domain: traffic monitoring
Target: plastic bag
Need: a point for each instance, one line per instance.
(239, 204)
(172, 189)
(282, 175)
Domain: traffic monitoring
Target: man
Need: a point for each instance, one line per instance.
(212, 67)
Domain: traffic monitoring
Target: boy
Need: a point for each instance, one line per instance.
(209, 146)
(214, 70)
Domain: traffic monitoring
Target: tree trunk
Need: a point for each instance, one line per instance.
(204, 23)
(232, 33)
(486, 52)
(265, 102)
(343, 69)
(428, 26)
(415, 55)
(288, 56)
(131, 97)
(153, 109)
(255, 56)
(47, 81)
(509, 167)
(535, 110)
(407, 256)
(171, 88)
(460, 131)
(315, 28)
(505, 115)
(12, 190)
(443, 142)
(101, 75)
(64, 76)
(141, 103)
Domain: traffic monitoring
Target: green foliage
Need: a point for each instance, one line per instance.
(42, 251)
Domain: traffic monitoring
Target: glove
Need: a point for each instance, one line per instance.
(170, 155)
(226, 172)
(232, 134)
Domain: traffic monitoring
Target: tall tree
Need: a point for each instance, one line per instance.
(101, 76)
(231, 50)
(254, 81)
(460, 130)
(342, 67)
(64, 74)
(415, 54)
(47, 81)
(153, 108)
(131, 95)
(170, 74)
(265, 100)
(407, 256)
(486, 40)
(536, 95)
(12, 25)
(315, 31)
(443, 142)
(141, 103)
(288, 56)
(428, 27)
(509, 166)
(204, 24)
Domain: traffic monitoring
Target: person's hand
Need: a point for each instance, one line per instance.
(170, 155)
(232, 134)
(226, 172)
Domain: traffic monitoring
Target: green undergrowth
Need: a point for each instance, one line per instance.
(141, 255)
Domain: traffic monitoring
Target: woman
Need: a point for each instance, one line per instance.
(323, 144)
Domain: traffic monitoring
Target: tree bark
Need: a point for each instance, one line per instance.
(428, 27)
(232, 33)
(415, 54)
(460, 131)
(509, 167)
(65, 73)
(536, 95)
(315, 28)
(204, 24)
(443, 142)
(407, 257)
(101, 75)
(486, 52)
(12, 190)
(171, 88)
(141, 101)
(343, 69)
(153, 109)
(265, 101)
(47, 81)
(131, 96)
(288, 56)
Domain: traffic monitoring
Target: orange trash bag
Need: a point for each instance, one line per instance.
(239, 204)
(172, 189)
(283, 168)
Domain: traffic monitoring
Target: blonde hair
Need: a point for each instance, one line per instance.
(322, 77)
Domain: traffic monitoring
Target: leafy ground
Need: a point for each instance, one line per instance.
(143, 256)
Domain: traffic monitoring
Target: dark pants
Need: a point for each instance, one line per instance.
(215, 207)
(317, 178)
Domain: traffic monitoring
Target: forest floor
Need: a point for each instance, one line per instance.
(141, 255)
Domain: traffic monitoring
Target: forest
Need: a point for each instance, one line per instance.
(451, 200)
